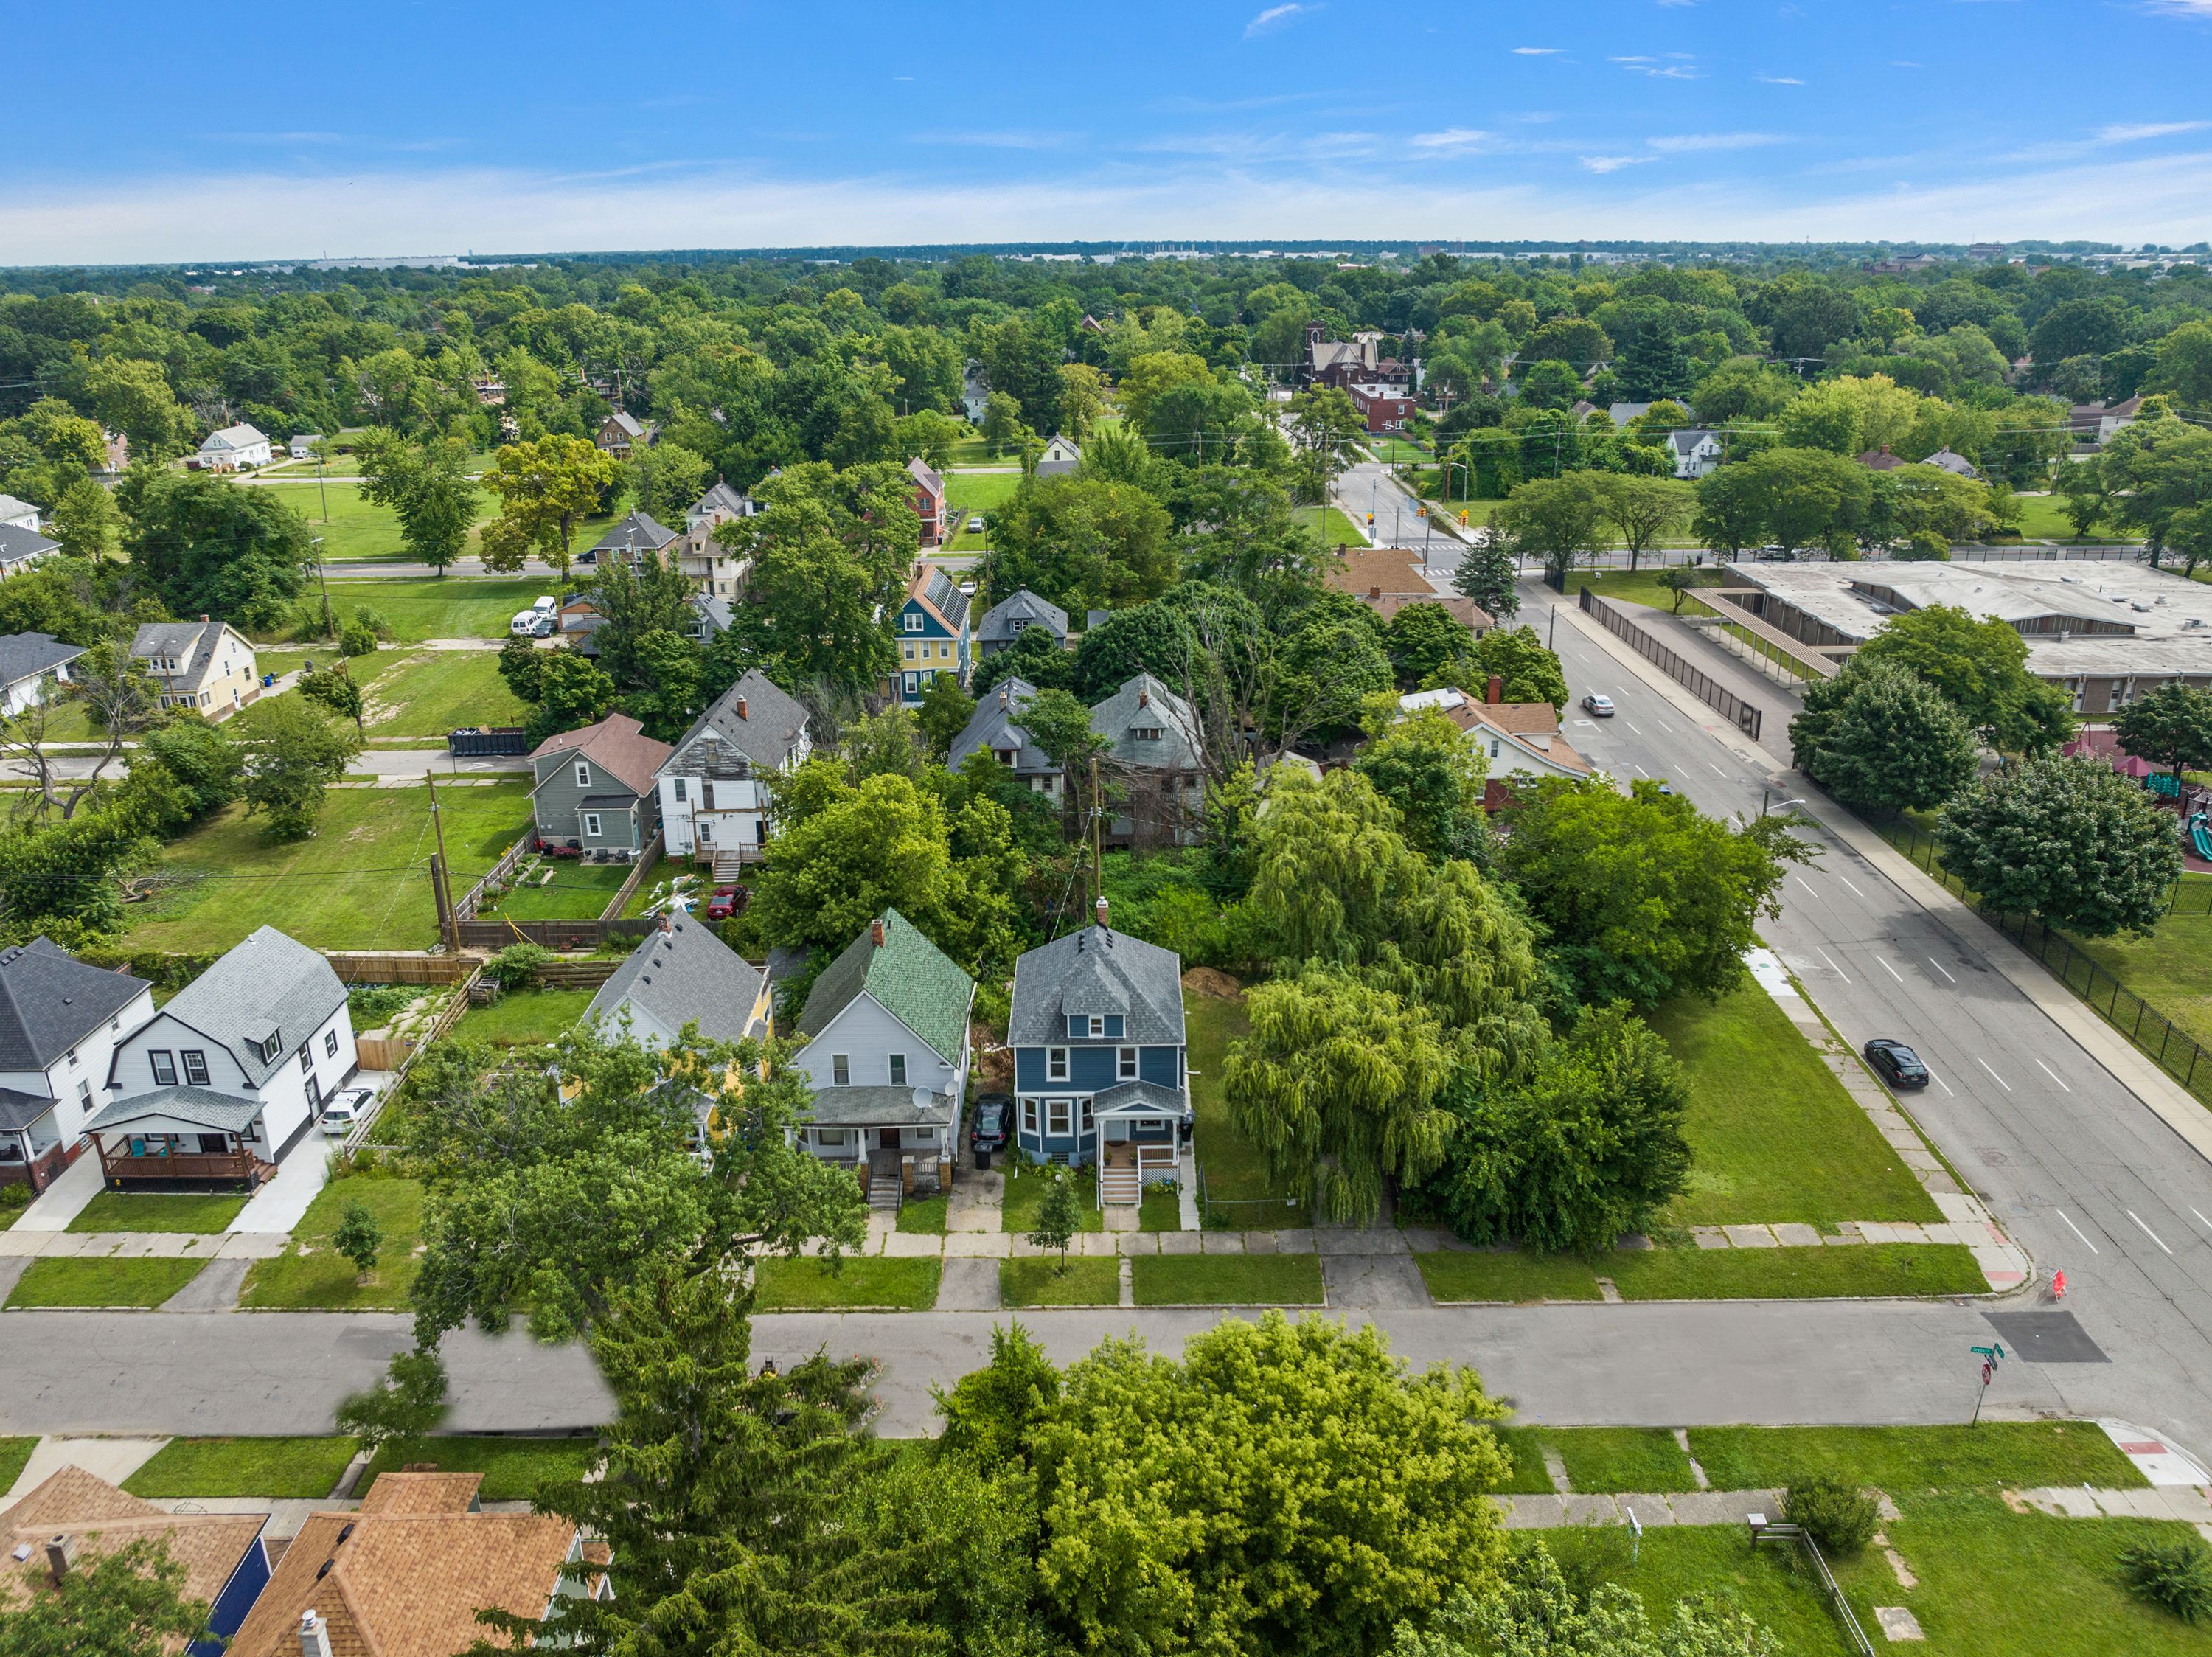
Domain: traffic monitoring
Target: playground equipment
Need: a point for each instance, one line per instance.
(2200, 837)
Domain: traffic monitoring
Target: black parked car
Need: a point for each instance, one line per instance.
(1896, 1063)
(995, 1116)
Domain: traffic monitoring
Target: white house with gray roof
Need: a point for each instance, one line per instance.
(1097, 1030)
(1152, 745)
(20, 548)
(60, 1020)
(219, 1084)
(681, 975)
(17, 514)
(886, 1029)
(231, 448)
(997, 729)
(1014, 615)
(719, 571)
(630, 540)
(206, 666)
(33, 666)
(714, 784)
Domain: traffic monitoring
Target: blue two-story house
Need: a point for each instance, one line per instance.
(933, 634)
(1099, 1077)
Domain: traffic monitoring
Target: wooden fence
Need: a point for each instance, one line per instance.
(407, 1051)
(646, 864)
(575, 975)
(574, 937)
(466, 910)
(364, 966)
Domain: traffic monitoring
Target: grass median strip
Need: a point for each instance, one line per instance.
(512, 1466)
(1025, 1199)
(1524, 1450)
(117, 1211)
(15, 1456)
(311, 1275)
(1036, 1279)
(1791, 1274)
(1228, 1280)
(1618, 1458)
(1516, 1277)
(809, 1285)
(107, 1281)
(1902, 1460)
(279, 1468)
(922, 1217)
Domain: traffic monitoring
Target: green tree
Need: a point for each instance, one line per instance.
(945, 712)
(1036, 658)
(545, 489)
(2086, 490)
(1644, 511)
(65, 878)
(129, 1603)
(1059, 1217)
(338, 691)
(666, 478)
(408, 1404)
(1283, 1491)
(1082, 398)
(1539, 1615)
(1980, 667)
(85, 521)
(1486, 575)
(1584, 1148)
(293, 754)
(428, 485)
(2171, 725)
(522, 1181)
(1421, 639)
(2069, 840)
(1149, 376)
(1517, 656)
(1878, 737)
(1081, 541)
(1680, 578)
(1148, 638)
(1642, 898)
(209, 547)
(572, 692)
(1002, 421)
(359, 1238)
(2159, 472)
(133, 397)
(990, 1413)
(1433, 771)
(1550, 384)
(1325, 426)
(1551, 521)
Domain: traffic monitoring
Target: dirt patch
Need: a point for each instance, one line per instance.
(1213, 982)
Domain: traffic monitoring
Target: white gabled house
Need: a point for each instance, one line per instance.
(232, 448)
(714, 784)
(60, 1020)
(220, 1083)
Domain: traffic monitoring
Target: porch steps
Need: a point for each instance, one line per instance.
(728, 866)
(883, 1193)
(1119, 1186)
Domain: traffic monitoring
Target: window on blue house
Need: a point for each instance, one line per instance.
(1097, 1028)
(1126, 1069)
(1029, 1115)
(1055, 1113)
(1055, 1064)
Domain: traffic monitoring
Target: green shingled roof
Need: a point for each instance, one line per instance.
(917, 982)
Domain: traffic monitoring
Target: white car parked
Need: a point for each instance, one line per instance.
(345, 1109)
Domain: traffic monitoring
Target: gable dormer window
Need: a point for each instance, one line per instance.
(1147, 733)
(1095, 1026)
(583, 775)
(914, 621)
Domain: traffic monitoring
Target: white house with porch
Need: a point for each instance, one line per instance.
(714, 784)
(214, 1088)
(60, 1018)
(886, 1029)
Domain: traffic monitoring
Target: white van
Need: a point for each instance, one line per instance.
(524, 625)
(545, 604)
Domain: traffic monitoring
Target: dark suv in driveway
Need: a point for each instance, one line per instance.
(995, 1117)
(1896, 1063)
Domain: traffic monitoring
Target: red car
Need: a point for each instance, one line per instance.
(728, 900)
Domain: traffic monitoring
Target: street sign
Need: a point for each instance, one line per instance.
(1636, 1526)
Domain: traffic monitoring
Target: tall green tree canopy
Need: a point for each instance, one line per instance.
(1980, 667)
(1878, 736)
(2067, 839)
(209, 547)
(1081, 542)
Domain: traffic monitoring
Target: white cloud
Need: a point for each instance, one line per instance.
(1452, 140)
(2181, 8)
(1536, 52)
(1688, 141)
(1779, 80)
(1006, 140)
(2135, 131)
(1614, 164)
(1628, 60)
(1275, 18)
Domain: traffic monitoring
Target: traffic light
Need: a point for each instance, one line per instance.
(1370, 521)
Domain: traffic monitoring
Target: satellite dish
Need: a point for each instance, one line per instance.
(921, 1099)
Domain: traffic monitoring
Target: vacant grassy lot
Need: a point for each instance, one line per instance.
(810, 1286)
(433, 606)
(525, 1017)
(313, 1276)
(1903, 1460)
(1025, 1199)
(979, 491)
(560, 889)
(2042, 518)
(1232, 1166)
(1636, 587)
(116, 1210)
(354, 528)
(1741, 1274)
(512, 1466)
(1337, 530)
(425, 693)
(303, 1468)
(1774, 1137)
(141, 1282)
(1039, 1282)
(1672, 1565)
(1517, 1278)
(1228, 1280)
(362, 881)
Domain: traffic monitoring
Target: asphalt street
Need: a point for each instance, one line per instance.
(2075, 1166)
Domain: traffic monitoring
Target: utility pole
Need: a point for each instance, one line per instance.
(449, 923)
(1098, 839)
(326, 580)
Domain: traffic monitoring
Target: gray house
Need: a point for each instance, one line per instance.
(684, 974)
(713, 784)
(996, 729)
(20, 548)
(1010, 618)
(628, 541)
(594, 790)
(1153, 741)
(31, 666)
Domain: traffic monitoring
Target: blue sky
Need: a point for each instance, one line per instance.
(418, 128)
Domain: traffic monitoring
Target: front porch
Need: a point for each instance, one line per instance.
(25, 1162)
(150, 1161)
(893, 1163)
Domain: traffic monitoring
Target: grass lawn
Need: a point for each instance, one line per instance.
(362, 881)
(1675, 1564)
(428, 692)
(1336, 529)
(311, 1276)
(1742, 1274)
(1517, 1278)
(660, 880)
(14, 1455)
(1159, 1210)
(1621, 1459)
(305, 1468)
(417, 607)
(115, 1210)
(979, 491)
(1524, 1449)
(1228, 1280)
(512, 1466)
(2170, 969)
(524, 1018)
(63, 1281)
(1024, 1198)
(1994, 1581)
(1773, 1135)
(1231, 1164)
(355, 529)
(2042, 518)
(1635, 586)
(575, 891)
(923, 1217)
(808, 1285)
(1038, 1281)
(1902, 1460)
(1397, 449)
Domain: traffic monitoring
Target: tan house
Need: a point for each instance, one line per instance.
(1517, 739)
(620, 433)
(406, 1574)
(1386, 579)
(206, 666)
(715, 569)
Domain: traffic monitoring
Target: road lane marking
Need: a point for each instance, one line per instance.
(1640, 771)
(2053, 1075)
(2208, 1223)
(1939, 966)
(1809, 890)
(1892, 971)
(1664, 726)
(1855, 891)
(1631, 726)
(1938, 1081)
(1718, 772)
(2146, 1231)
(2077, 1230)
(1994, 1076)
(1833, 967)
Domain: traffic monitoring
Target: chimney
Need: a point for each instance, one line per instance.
(876, 934)
(314, 1635)
(1099, 908)
(61, 1554)
(1003, 701)
(1497, 691)
(1143, 698)
(741, 708)
(202, 618)
(663, 922)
